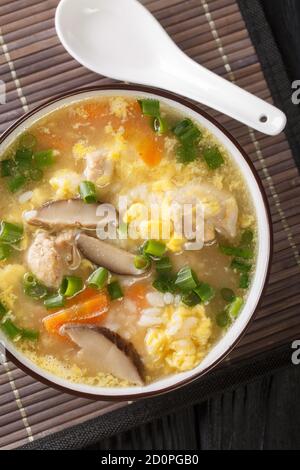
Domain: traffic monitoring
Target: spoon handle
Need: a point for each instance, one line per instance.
(190, 79)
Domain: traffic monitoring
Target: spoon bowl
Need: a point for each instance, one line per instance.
(122, 40)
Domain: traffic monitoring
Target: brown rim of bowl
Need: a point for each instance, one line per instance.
(197, 109)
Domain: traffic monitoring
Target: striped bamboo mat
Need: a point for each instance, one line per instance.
(34, 67)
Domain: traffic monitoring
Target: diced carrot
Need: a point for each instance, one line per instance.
(150, 150)
(139, 132)
(137, 293)
(91, 310)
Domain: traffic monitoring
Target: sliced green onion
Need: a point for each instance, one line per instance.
(36, 291)
(244, 281)
(154, 248)
(228, 294)
(240, 266)
(235, 307)
(35, 174)
(30, 335)
(187, 132)
(165, 284)
(246, 253)
(160, 125)
(163, 265)
(87, 192)
(10, 233)
(141, 262)
(70, 286)
(186, 280)
(150, 107)
(55, 301)
(28, 141)
(98, 278)
(7, 167)
(11, 330)
(247, 238)
(3, 311)
(33, 288)
(213, 158)
(186, 153)
(191, 299)
(5, 251)
(222, 319)
(115, 290)
(29, 280)
(16, 183)
(24, 157)
(44, 158)
(204, 291)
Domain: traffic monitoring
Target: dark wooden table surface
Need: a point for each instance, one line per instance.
(264, 414)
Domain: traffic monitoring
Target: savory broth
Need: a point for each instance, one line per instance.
(78, 306)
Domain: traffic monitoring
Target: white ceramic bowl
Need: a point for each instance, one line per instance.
(235, 332)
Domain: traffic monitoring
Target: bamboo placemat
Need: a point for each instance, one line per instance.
(35, 67)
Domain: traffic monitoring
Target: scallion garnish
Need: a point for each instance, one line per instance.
(16, 183)
(28, 141)
(5, 251)
(165, 284)
(235, 307)
(186, 153)
(222, 319)
(115, 291)
(43, 158)
(87, 191)
(247, 238)
(160, 125)
(186, 280)
(98, 278)
(240, 266)
(228, 294)
(204, 291)
(187, 132)
(213, 158)
(70, 286)
(163, 265)
(7, 167)
(55, 301)
(10, 233)
(23, 157)
(154, 248)
(29, 335)
(33, 288)
(191, 299)
(244, 281)
(150, 107)
(3, 311)
(11, 330)
(239, 252)
(141, 262)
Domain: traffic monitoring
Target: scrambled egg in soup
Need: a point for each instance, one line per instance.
(108, 294)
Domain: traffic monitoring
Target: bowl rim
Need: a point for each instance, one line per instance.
(197, 109)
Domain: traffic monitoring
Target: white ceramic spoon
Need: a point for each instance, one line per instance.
(122, 40)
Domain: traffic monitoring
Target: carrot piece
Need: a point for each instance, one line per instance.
(90, 311)
(150, 151)
(137, 293)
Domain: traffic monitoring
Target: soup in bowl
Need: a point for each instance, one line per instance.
(134, 242)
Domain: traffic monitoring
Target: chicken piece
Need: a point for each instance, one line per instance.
(99, 167)
(45, 261)
(66, 246)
